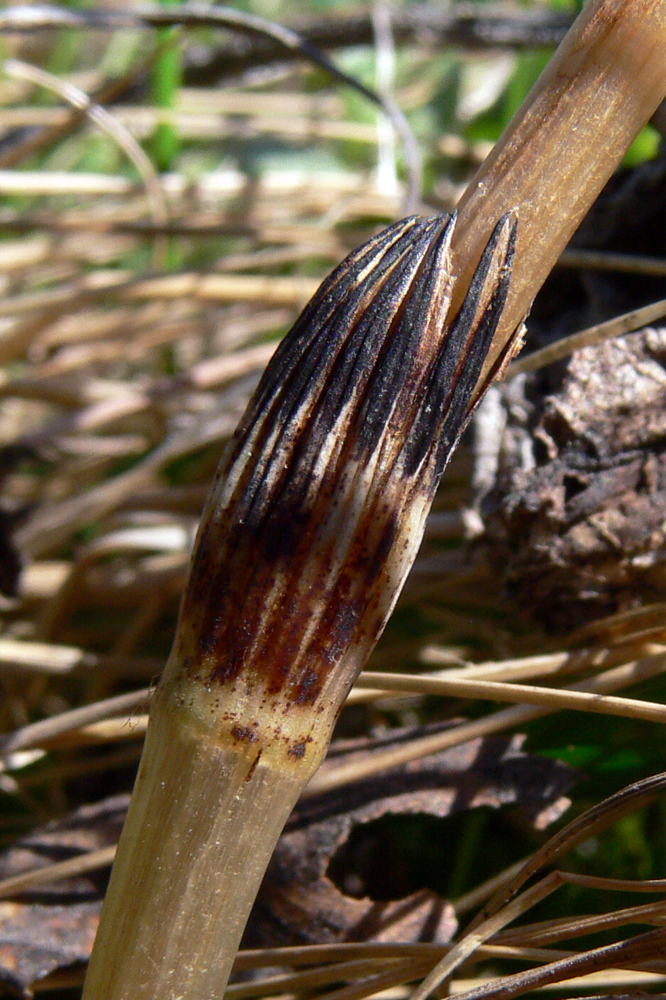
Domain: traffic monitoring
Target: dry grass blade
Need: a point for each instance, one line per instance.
(106, 731)
(559, 664)
(140, 123)
(336, 972)
(335, 776)
(616, 327)
(640, 949)
(297, 956)
(44, 657)
(552, 698)
(38, 733)
(86, 729)
(616, 884)
(92, 861)
(55, 524)
(620, 263)
(220, 288)
(566, 928)
(213, 372)
(471, 900)
(375, 984)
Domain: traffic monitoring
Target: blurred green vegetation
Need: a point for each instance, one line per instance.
(441, 104)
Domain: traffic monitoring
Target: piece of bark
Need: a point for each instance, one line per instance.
(37, 940)
(298, 902)
(577, 516)
(570, 462)
(53, 925)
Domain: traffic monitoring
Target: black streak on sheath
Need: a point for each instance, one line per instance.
(293, 569)
(442, 416)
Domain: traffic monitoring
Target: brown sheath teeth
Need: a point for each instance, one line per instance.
(320, 500)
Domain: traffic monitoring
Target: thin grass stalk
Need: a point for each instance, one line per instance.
(565, 928)
(519, 715)
(643, 948)
(552, 698)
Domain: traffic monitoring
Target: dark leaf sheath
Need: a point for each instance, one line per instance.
(320, 501)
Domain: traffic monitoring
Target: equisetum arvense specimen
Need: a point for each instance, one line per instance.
(313, 522)
(319, 506)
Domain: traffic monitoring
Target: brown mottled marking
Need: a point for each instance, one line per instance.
(244, 733)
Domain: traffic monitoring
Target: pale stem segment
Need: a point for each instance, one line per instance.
(203, 821)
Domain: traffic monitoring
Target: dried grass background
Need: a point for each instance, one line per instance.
(139, 306)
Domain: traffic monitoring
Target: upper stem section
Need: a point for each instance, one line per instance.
(599, 89)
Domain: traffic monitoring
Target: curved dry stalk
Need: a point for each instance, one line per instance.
(16, 69)
(320, 504)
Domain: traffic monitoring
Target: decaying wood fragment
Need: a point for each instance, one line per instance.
(575, 517)
(572, 492)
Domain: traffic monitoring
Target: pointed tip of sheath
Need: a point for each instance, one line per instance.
(464, 346)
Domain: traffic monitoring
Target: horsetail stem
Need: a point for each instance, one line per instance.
(320, 502)
(312, 524)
